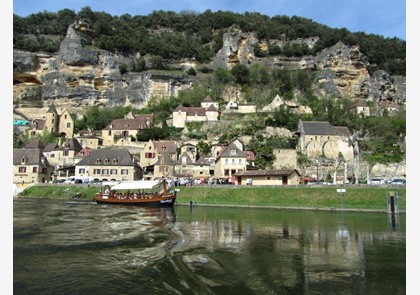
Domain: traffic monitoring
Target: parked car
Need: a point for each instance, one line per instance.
(398, 181)
(377, 181)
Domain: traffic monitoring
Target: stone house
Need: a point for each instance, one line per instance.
(126, 128)
(31, 166)
(190, 149)
(292, 105)
(149, 156)
(230, 161)
(389, 107)
(317, 139)
(243, 108)
(164, 167)
(52, 122)
(62, 155)
(181, 115)
(202, 168)
(108, 164)
(360, 108)
(268, 177)
(86, 139)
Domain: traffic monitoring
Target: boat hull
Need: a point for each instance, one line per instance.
(156, 202)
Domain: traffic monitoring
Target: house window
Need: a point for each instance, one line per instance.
(68, 125)
(65, 116)
(113, 171)
(226, 161)
(233, 162)
(98, 161)
(109, 132)
(96, 171)
(268, 178)
(226, 173)
(124, 171)
(23, 161)
(66, 153)
(82, 171)
(115, 161)
(105, 171)
(106, 161)
(22, 169)
(34, 169)
(240, 161)
(233, 152)
(184, 161)
(150, 155)
(44, 170)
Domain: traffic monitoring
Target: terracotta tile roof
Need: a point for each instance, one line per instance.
(250, 156)
(84, 152)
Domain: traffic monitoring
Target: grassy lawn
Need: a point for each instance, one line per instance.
(357, 198)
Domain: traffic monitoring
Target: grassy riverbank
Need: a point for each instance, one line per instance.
(322, 198)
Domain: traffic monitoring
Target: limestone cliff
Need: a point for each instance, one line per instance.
(81, 75)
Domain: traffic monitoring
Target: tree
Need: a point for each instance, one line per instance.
(241, 74)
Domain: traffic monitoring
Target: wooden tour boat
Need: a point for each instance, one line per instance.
(150, 193)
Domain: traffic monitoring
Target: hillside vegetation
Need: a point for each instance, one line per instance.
(189, 34)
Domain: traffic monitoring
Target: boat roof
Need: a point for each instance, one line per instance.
(132, 185)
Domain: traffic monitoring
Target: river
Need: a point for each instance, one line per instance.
(62, 247)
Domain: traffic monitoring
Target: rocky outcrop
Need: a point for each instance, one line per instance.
(342, 71)
(81, 75)
(237, 49)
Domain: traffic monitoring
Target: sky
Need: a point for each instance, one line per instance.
(382, 17)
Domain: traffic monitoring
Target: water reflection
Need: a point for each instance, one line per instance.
(63, 248)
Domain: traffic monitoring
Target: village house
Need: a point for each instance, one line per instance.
(62, 155)
(208, 112)
(243, 108)
(31, 166)
(317, 139)
(190, 149)
(268, 177)
(164, 167)
(291, 105)
(230, 161)
(360, 108)
(389, 107)
(202, 168)
(127, 128)
(87, 139)
(109, 164)
(52, 122)
(149, 156)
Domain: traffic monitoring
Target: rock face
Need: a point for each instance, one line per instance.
(81, 75)
(342, 71)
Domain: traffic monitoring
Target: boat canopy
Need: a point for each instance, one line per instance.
(133, 185)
